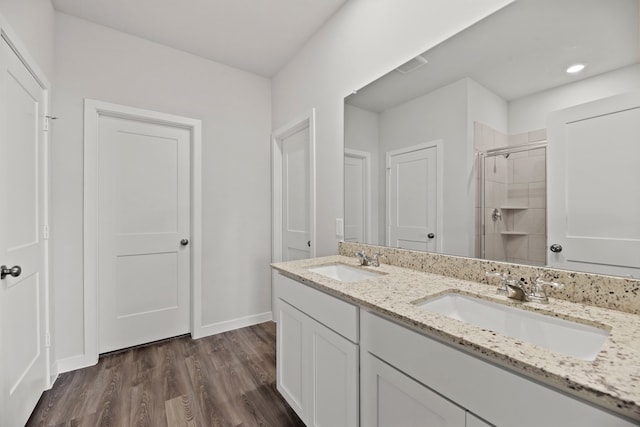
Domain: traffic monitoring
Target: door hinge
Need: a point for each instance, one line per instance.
(45, 124)
(45, 231)
(47, 340)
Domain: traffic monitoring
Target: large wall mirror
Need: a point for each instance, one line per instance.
(488, 146)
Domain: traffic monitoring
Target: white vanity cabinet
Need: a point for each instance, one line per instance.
(317, 354)
(412, 377)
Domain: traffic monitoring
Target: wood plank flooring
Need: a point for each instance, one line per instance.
(223, 380)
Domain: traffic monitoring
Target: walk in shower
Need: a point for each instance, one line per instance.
(512, 204)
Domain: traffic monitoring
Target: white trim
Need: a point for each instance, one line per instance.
(92, 111)
(439, 145)
(19, 48)
(366, 157)
(306, 121)
(230, 325)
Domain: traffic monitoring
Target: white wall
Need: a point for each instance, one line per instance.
(530, 113)
(487, 107)
(33, 22)
(95, 62)
(361, 132)
(362, 41)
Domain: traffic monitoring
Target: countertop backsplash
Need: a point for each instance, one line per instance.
(616, 293)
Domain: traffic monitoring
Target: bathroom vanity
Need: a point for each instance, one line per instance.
(362, 350)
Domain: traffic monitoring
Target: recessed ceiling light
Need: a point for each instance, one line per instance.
(575, 68)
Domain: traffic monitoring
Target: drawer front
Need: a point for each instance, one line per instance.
(338, 315)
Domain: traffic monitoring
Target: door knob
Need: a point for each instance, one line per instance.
(555, 248)
(431, 235)
(13, 271)
(184, 242)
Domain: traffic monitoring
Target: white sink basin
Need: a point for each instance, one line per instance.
(563, 336)
(344, 272)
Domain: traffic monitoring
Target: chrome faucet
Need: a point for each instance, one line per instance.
(516, 290)
(369, 261)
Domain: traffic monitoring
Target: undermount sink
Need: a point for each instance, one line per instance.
(343, 272)
(563, 336)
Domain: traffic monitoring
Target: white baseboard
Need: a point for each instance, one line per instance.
(229, 325)
(75, 362)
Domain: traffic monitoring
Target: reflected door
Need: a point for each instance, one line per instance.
(593, 176)
(296, 243)
(356, 184)
(23, 312)
(143, 232)
(412, 199)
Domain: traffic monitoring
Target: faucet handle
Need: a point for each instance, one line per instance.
(539, 293)
(504, 277)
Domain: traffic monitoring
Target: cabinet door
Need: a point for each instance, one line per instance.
(392, 399)
(335, 379)
(292, 356)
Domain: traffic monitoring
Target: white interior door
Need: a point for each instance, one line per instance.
(412, 199)
(23, 352)
(356, 185)
(143, 231)
(593, 177)
(296, 241)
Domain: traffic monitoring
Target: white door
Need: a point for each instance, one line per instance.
(593, 177)
(355, 198)
(296, 242)
(412, 199)
(23, 352)
(143, 232)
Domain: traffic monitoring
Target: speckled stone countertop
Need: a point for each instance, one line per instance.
(611, 381)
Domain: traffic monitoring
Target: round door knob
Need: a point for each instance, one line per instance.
(431, 235)
(184, 242)
(13, 271)
(555, 248)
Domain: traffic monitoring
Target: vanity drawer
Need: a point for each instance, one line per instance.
(338, 315)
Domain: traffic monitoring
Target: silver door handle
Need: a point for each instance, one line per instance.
(13, 271)
(184, 242)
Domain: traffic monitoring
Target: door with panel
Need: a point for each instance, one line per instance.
(592, 174)
(412, 199)
(296, 243)
(23, 248)
(143, 231)
(356, 211)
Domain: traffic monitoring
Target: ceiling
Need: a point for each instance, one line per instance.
(520, 50)
(258, 36)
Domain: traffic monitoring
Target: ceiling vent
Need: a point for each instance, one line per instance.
(412, 65)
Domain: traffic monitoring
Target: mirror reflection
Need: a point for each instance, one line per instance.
(453, 151)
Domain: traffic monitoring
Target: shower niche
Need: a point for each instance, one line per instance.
(511, 196)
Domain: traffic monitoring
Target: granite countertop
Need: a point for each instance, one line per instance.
(611, 381)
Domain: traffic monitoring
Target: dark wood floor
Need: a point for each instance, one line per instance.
(222, 380)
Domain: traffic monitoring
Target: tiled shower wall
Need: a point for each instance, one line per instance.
(515, 186)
